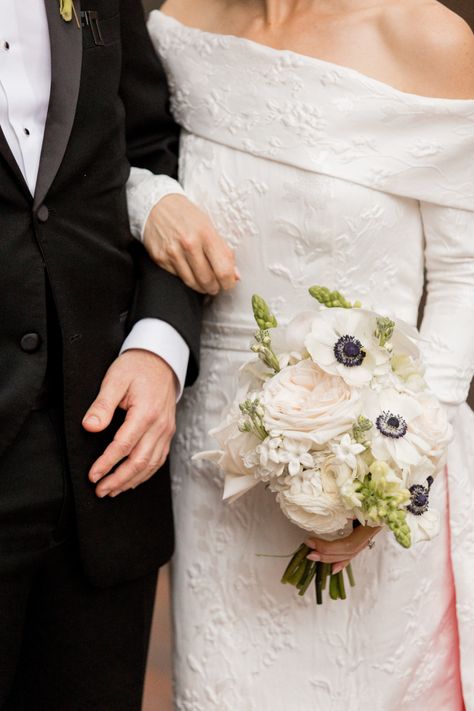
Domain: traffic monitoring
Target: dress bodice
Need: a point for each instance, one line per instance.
(316, 173)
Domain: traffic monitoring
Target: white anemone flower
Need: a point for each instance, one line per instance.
(393, 436)
(424, 527)
(342, 342)
(423, 520)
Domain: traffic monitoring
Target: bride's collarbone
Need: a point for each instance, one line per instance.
(418, 47)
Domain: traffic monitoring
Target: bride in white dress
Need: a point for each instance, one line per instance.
(311, 139)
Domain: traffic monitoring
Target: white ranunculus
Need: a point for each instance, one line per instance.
(339, 476)
(303, 402)
(312, 502)
(342, 342)
(433, 429)
(392, 436)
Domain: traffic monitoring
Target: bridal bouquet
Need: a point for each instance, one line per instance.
(334, 417)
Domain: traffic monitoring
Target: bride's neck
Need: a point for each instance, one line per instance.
(277, 12)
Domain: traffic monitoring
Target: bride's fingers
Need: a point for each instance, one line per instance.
(339, 567)
(222, 260)
(332, 558)
(201, 269)
(180, 266)
(356, 541)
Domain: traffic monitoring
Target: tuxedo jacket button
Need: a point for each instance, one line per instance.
(43, 213)
(30, 342)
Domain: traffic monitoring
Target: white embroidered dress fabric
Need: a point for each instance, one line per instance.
(315, 173)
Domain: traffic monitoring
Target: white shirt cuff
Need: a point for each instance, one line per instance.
(156, 336)
(144, 191)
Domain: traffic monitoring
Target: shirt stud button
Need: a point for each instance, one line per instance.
(6, 46)
(26, 131)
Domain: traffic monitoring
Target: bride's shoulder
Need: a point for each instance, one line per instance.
(195, 13)
(433, 45)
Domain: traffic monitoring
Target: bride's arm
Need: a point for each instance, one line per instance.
(448, 323)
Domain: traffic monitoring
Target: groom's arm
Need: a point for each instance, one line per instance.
(152, 143)
(166, 315)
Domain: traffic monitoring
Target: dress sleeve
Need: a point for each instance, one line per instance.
(448, 325)
(144, 191)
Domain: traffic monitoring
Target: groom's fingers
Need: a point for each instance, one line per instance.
(144, 460)
(126, 438)
(100, 413)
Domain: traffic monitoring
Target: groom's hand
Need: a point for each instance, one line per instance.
(144, 385)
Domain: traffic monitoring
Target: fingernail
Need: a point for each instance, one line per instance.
(237, 274)
(115, 493)
(310, 543)
(92, 420)
(314, 556)
(103, 494)
(336, 568)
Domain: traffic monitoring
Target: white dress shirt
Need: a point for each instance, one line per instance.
(25, 83)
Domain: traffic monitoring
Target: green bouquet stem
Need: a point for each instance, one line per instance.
(301, 572)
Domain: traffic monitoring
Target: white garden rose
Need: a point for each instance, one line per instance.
(303, 402)
(433, 428)
(312, 502)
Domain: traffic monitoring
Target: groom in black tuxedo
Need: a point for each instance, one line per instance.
(78, 563)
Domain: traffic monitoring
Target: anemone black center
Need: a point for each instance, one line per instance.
(420, 499)
(349, 351)
(391, 425)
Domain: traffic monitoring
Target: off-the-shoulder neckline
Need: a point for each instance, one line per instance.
(267, 49)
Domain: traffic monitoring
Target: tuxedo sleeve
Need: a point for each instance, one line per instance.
(152, 143)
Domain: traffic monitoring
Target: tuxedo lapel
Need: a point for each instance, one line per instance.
(8, 156)
(66, 63)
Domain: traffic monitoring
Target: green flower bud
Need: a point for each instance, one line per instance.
(384, 331)
(331, 299)
(263, 316)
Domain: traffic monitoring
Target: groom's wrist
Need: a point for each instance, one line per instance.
(163, 340)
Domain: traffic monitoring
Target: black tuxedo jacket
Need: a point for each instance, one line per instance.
(108, 108)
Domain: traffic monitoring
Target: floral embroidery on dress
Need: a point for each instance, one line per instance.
(315, 173)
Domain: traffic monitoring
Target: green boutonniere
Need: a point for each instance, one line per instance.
(67, 10)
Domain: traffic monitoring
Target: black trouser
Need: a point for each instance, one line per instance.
(64, 645)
